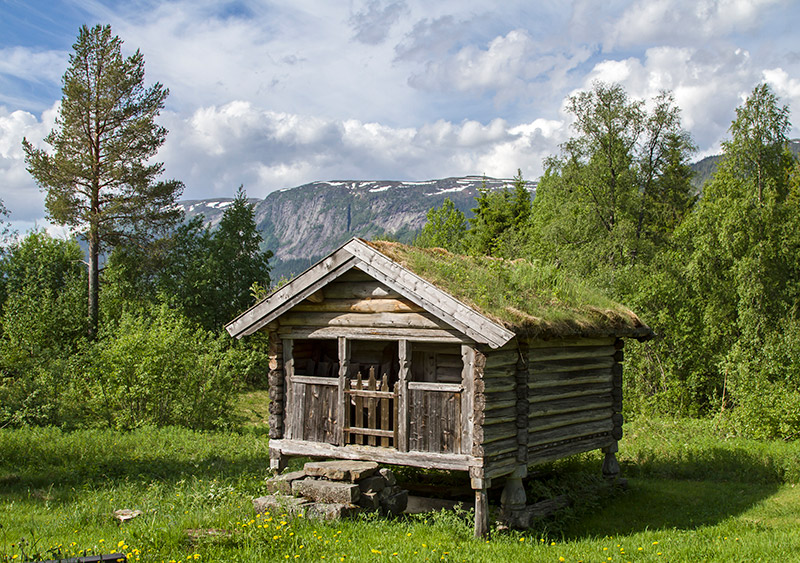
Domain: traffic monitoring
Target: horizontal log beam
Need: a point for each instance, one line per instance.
(313, 380)
(570, 353)
(457, 462)
(359, 306)
(436, 387)
(579, 342)
(556, 421)
(541, 437)
(564, 406)
(579, 364)
(373, 333)
(545, 455)
(377, 320)
(358, 290)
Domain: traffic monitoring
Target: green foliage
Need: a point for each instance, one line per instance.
(499, 218)
(100, 178)
(160, 369)
(619, 188)
(205, 274)
(445, 228)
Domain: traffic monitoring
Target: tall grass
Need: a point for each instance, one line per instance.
(694, 495)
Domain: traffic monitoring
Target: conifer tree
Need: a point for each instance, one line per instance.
(99, 176)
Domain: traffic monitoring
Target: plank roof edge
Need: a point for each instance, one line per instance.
(286, 296)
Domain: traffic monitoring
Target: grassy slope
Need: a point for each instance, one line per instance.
(693, 496)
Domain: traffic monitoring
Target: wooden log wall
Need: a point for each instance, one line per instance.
(570, 388)
(498, 406)
(277, 395)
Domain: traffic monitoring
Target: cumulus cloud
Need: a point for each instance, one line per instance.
(19, 192)
(242, 144)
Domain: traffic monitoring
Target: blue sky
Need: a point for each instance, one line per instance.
(276, 94)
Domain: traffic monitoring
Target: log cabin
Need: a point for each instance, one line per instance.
(383, 352)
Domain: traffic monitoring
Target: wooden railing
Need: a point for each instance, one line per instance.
(370, 411)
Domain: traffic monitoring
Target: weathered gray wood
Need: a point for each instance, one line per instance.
(502, 358)
(557, 393)
(277, 389)
(541, 437)
(428, 296)
(368, 320)
(573, 341)
(494, 432)
(402, 400)
(481, 513)
(358, 290)
(434, 421)
(563, 406)
(497, 448)
(541, 380)
(579, 364)
(432, 460)
(291, 409)
(441, 387)
(359, 306)
(570, 352)
(372, 405)
(313, 380)
(467, 382)
(545, 455)
(372, 333)
(291, 294)
(556, 421)
(344, 362)
(500, 372)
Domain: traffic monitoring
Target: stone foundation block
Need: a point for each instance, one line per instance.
(341, 470)
(326, 491)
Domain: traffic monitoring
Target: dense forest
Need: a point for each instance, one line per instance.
(713, 271)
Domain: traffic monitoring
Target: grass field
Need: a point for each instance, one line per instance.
(694, 495)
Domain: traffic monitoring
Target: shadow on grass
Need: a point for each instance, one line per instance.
(704, 489)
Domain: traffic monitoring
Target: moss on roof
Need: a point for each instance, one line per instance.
(526, 297)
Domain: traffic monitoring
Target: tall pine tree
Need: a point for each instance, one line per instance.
(99, 177)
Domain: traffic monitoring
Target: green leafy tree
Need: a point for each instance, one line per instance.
(446, 227)
(619, 187)
(100, 178)
(743, 256)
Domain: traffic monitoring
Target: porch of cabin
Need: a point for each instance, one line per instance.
(391, 401)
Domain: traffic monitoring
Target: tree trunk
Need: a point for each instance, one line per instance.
(94, 285)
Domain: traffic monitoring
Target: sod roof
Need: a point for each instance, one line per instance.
(526, 297)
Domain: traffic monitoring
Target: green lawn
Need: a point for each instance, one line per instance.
(694, 495)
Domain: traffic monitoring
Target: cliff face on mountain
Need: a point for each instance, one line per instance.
(302, 224)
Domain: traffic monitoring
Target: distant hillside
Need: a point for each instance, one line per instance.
(705, 168)
(301, 225)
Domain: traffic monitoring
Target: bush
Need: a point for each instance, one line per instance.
(160, 369)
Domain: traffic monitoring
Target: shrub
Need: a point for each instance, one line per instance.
(160, 369)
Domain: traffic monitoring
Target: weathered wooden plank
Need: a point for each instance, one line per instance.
(579, 364)
(555, 421)
(448, 374)
(467, 382)
(570, 353)
(498, 385)
(494, 432)
(432, 460)
(493, 397)
(509, 405)
(500, 447)
(312, 380)
(343, 346)
(291, 294)
(402, 399)
(449, 361)
(547, 454)
(567, 392)
(440, 387)
(377, 320)
(570, 406)
(574, 341)
(426, 295)
(494, 416)
(569, 432)
(501, 372)
(359, 306)
(355, 276)
(372, 333)
(358, 290)
(502, 358)
(288, 369)
(372, 433)
(546, 379)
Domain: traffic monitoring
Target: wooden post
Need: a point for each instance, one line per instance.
(290, 413)
(401, 405)
(467, 412)
(482, 510)
(343, 405)
(372, 406)
(359, 409)
(277, 461)
(385, 410)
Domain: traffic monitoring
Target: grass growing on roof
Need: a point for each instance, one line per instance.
(526, 296)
